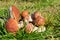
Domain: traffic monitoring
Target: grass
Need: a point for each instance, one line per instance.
(50, 9)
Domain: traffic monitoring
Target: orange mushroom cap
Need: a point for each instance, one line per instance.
(25, 14)
(40, 21)
(37, 14)
(29, 28)
(15, 13)
(12, 26)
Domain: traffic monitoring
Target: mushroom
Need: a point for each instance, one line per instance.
(12, 25)
(39, 21)
(37, 14)
(21, 24)
(41, 29)
(29, 28)
(15, 13)
(26, 16)
(35, 28)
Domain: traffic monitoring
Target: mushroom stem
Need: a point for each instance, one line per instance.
(20, 24)
(28, 20)
(35, 29)
(11, 14)
(41, 29)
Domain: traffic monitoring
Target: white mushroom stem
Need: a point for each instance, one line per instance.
(11, 14)
(29, 20)
(35, 29)
(41, 29)
(26, 21)
(21, 25)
